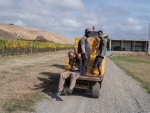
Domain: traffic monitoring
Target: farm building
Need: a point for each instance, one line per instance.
(128, 45)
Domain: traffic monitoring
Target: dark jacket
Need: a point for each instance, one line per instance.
(101, 51)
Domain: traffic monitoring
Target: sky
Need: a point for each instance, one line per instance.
(119, 19)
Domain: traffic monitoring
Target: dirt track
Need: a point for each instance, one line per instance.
(119, 94)
(25, 75)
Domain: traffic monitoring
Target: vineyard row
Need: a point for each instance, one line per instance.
(12, 47)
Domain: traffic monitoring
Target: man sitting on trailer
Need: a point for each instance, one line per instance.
(74, 73)
(101, 53)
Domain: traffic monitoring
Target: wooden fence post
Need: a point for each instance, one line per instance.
(31, 48)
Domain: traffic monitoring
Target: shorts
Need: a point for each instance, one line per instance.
(98, 61)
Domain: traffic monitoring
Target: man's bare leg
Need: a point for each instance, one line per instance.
(99, 69)
(94, 68)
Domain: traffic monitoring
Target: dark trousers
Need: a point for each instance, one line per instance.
(85, 63)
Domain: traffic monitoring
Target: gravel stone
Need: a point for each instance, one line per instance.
(120, 93)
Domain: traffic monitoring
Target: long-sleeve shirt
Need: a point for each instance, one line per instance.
(85, 45)
(101, 49)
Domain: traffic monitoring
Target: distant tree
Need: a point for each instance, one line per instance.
(40, 38)
(11, 24)
(15, 33)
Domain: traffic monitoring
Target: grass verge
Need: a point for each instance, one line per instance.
(23, 103)
(4, 72)
(128, 59)
(23, 68)
(128, 72)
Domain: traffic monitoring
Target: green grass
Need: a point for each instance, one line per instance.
(2, 76)
(37, 63)
(12, 80)
(5, 72)
(18, 68)
(23, 103)
(25, 76)
(23, 68)
(28, 66)
(127, 59)
(18, 73)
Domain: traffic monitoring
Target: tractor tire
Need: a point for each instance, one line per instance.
(96, 90)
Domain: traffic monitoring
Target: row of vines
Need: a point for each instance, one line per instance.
(12, 47)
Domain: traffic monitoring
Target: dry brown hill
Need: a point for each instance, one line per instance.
(17, 32)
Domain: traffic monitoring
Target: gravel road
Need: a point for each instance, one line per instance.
(119, 94)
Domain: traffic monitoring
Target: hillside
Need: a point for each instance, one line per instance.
(16, 32)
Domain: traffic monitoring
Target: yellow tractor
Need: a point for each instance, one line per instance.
(90, 83)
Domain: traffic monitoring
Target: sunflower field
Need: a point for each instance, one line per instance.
(12, 47)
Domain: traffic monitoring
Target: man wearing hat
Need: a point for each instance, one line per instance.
(84, 49)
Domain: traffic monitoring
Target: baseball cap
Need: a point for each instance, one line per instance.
(87, 30)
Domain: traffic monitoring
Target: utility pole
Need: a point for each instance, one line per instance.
(110, 45)
(122, 45)
(134, 46)
(149, 40)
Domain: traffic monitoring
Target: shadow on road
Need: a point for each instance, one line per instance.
(50, 83)
(59, 66)
(83, 93)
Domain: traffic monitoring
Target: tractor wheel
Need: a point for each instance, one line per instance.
(96, 90)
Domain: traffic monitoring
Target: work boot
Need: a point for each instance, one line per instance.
(89, 74)
(61, 93)
(69, 92)
(58, 93)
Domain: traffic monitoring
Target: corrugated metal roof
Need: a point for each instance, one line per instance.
(128, 40)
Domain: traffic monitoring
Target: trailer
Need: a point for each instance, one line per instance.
(90, 83)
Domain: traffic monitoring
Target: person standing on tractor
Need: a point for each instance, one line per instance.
(101, 53)
(74, 73)
(84, 49)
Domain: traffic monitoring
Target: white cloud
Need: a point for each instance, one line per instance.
(70, 22)
(88, 15)
(104, 20)
(112, 10)
(71, 4)
(128, 31)
(144, 17)
(132, 21)
(71, 17)
(60, 4)
(127, 28)
(19, 23)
